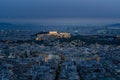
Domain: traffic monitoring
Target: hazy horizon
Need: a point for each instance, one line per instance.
(88, 12)
(64, 21)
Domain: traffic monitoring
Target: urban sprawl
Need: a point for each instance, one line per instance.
(52, 55)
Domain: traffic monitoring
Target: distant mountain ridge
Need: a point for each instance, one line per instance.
(5, 24)
(114, 25)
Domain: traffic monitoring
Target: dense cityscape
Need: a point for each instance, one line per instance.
(59, 39)
(54, 55)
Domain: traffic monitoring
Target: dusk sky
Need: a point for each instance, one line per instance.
(42, 9)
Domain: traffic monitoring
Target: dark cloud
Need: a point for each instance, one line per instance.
(59, 9)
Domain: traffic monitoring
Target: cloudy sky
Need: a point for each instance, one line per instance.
(42, 9)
